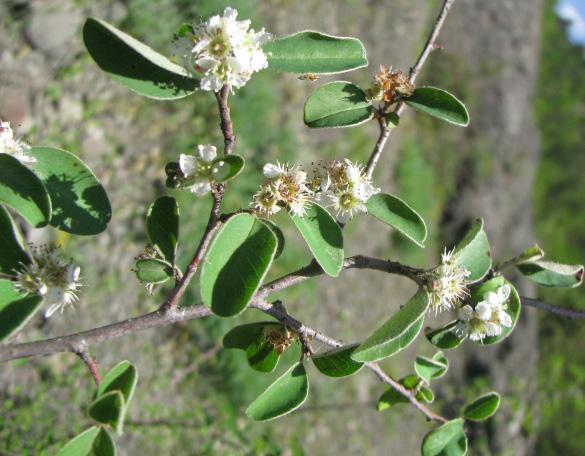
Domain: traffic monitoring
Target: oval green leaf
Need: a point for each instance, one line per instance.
(252, 339)
(152, 270)
(482, 408)
(236, 263)
(314, 52)
(513, 306)
(440, 104)
(13, 254)
(323, 236)
(448, 439)
(429, 368)
(396, 213)
(80, 203)
(337, 362)
(285, 395)
(122, 377)
(337, 104)
(109, 409)
(397, 333)
(279, 236)
(551, 274)
(444, 337)
(392, 397)
(94, 441)
(162, 225)
(135, 65)
(227, 167)
(21, 189)
(473, 252)
(16, 309)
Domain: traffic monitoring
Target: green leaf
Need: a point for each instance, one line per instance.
(482, 408)
(252, 339)
(109, 409)
(21, 189)
(13, 254)
(16, 309)
(94, 441)
(80, 203)
(396, 213)
(551, 274)
(162, 224)
(227, 167)
(448, 439)
(444, 337)
(532, 253)
(122, 377)
(135, 65)
(323, 236)
(392, 397)
(428, 368)
(314, 52)
(426, 394)
(513, 306)
(440, 104)
(473, 252)
(152, 270)
(285, 395)
(236, 263)
(397, 333)
(279, 236)
(337, 104)
(337, 362)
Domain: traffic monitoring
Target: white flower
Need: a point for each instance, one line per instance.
(266, 201)
(488, 317)
(197, 169)
(48, 276)
(345, 204)
(14, 147)
(221, 51)
(447, 284)
(286, 186)
(272, 171)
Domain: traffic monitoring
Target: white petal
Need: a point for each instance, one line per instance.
(207, 152)
(492, 299)
(493, 329)
(504, 293)
(271, 171)
(483, 310)
(465, 313)
(505, 319)
(52, 309)
(188, 164)
(207, 63)
(230, 13)
(201, 188)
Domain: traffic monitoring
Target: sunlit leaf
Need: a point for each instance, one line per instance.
(440, 104)
(94, 441)
(473, 252)
(448, 439)
(551, 274)
(337, 362)
(482, 408)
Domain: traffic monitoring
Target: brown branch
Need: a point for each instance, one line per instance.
(386, 131)
(226, 123)
(563, 311)
(91, 364)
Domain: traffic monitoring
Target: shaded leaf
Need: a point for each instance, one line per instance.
(135, 65)
(285, 395)
(252, 339)
(428, 368)
(444, 337)
(337, 362)
(227, 167)
(13, 254)
(314, 52)
(337, 104)
(397, 333)
(16, 309)
(80, 203)
(482, 408)
(448, 439)
(162, 224)
(237, 261)
(279, 236)
(21, 189)
(323, 236)
(473, 252)
(109, 409)
(396, 213)
(551, 274)
(122, 377)
(392, 397)
(440, 104)
(152, 270)
(94, 441)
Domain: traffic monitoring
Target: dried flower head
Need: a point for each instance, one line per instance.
(388, 85)
(280, 337)
(447, 284)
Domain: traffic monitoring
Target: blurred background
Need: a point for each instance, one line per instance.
(519, 67)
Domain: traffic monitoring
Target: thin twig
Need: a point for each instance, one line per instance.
(563, 311)
(91, 364)
(386, 131)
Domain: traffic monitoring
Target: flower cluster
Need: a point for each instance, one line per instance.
(448, 284)
(338, 185)
(194, 172)
(48, 276)
(15, 147)
(487, 318)
(388, 85)
(221, 50)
